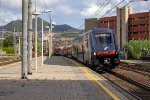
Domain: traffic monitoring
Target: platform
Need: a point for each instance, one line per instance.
(135, 61)
(59, 79)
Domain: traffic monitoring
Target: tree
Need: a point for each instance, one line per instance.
(8, 41)
(1, 44)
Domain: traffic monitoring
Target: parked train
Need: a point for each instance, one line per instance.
(97, 48)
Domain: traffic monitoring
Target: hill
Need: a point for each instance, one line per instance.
(18, 25)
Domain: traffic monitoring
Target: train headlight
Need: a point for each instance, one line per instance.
(94, 53)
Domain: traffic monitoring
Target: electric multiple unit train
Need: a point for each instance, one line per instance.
(96, 48)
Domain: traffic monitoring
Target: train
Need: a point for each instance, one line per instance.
(96, 48)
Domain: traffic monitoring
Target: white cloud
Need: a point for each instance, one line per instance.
(51, 2)
(92, 8)
(67, 10)
(87, 12)
(11, 4)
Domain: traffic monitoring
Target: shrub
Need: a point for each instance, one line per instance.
(134, 47)
(9, 50)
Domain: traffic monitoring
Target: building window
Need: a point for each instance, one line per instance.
(147, 31)
(142, 32)
(130, 32)
(135, 32)
(142, 24)
(135, 25)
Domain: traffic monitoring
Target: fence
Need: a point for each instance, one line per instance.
(2, 53)
(145, 55)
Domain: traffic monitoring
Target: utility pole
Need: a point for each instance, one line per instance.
(36, 13)
(24, 38)
(35, 42)
(19, 45)
(42, 41)
(30, 37)
(49, 44)
(14, 38)
(50, 34)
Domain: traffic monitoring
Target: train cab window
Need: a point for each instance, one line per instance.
(103, 39)
(87, 41)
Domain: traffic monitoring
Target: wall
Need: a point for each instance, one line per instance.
(91, 23)
(139, 26)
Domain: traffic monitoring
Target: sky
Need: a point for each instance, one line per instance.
(71, 12)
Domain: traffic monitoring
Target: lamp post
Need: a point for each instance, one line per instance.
(46, 11)
(24, 38)
(36, 13)
(50, 34)
(47, 39)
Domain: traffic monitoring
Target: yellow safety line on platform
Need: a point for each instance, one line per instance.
(95, 79)
(9, 65)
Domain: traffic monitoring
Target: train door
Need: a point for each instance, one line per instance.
(90, 49)
(86, 49)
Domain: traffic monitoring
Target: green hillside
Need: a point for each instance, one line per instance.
(18, 26)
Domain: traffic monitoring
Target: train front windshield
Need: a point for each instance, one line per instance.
(103, 39)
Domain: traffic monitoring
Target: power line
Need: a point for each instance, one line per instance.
(113, 8)
(104, 4)
(45, 4)
(49, 17)
(124, 6)
(94, 14)
(103, 7)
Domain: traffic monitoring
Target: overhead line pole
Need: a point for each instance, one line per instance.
(35, 42)
(30, 37)
(24, 38)
(14, 38)
(42, 40)
(35, 36)
(36, 13)
(51, 41)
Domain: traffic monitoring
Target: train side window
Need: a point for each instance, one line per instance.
(87, 41)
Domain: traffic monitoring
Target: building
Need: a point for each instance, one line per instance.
(139, 26)
(127, 25)
(108, 22)
(91, 23)
(122, 24)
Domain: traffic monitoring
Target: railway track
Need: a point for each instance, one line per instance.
(134, 70)
(137, 89)
(8, 62)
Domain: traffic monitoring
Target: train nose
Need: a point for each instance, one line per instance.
(102, 54)
(107, 61)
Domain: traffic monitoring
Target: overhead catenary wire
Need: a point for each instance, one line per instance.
(113, 8)
(49, 15)
(103, 5)
(45, 4)
(94, 14)
(124, 6)
(102, 8)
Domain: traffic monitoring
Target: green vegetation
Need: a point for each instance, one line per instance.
(8, 41)
(134, 47)
(1, 44)
(143, 67)
(8, 45)
(9, 50)
(10, 58)
(18, 25)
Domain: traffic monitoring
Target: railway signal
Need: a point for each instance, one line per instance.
(17, 39)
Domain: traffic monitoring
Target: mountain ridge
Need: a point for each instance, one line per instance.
(18, 26)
